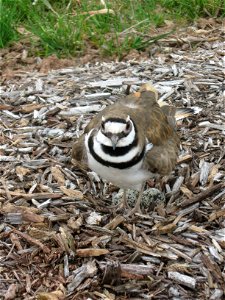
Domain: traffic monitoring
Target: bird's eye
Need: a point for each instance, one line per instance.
(108, 134)
(103, 126)
(128, 126)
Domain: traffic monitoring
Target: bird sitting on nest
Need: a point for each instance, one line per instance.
(131, 141)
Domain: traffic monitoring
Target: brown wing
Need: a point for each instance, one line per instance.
(170, 112)
(79, 158)
(77, 150)
(150, 118)
(158, 126)
(162, 158)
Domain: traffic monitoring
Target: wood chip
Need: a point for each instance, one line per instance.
(59, 236)
(182, 279)
(89, 252)
(208, 192)
(74, 194)
(32, 241)
(85, 271)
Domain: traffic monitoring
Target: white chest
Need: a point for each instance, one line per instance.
(125, 178)
(124, 174)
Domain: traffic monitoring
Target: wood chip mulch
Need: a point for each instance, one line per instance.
(58, 237)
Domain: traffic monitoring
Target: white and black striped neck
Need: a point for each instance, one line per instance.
(126, 154)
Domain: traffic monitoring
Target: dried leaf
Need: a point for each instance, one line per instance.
(28, 108)
(217, 214)
(32, 217)
(12, 208)
(166, 228)
(99, 12)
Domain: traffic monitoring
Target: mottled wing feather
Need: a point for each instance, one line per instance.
(151, 119)
(170, 112)
(162, 159)
(77, 150)
(79, 157)
(158, 125)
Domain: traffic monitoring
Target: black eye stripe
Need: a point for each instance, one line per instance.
(120, 134)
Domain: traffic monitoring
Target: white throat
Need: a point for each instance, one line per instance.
(132, 177)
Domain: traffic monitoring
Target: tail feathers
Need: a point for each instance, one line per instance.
(171, 111)
(185, 112)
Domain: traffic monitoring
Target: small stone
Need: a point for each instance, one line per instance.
(173, 291)
(94, 218)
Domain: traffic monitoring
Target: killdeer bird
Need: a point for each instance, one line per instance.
(132, 141)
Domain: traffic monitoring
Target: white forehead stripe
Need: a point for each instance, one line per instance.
(114, 127)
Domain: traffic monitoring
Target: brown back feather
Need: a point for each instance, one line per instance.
(152, 122)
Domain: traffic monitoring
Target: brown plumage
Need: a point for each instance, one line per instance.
(153, 123)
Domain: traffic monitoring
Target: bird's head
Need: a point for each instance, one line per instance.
(116, 132)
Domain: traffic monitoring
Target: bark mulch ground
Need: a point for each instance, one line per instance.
(58, 237)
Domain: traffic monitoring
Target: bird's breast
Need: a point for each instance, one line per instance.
(124, 170)
(131, 177)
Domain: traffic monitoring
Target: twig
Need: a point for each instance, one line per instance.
(135, 25)
(34, 195)
(202, 195)
(32, 241)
